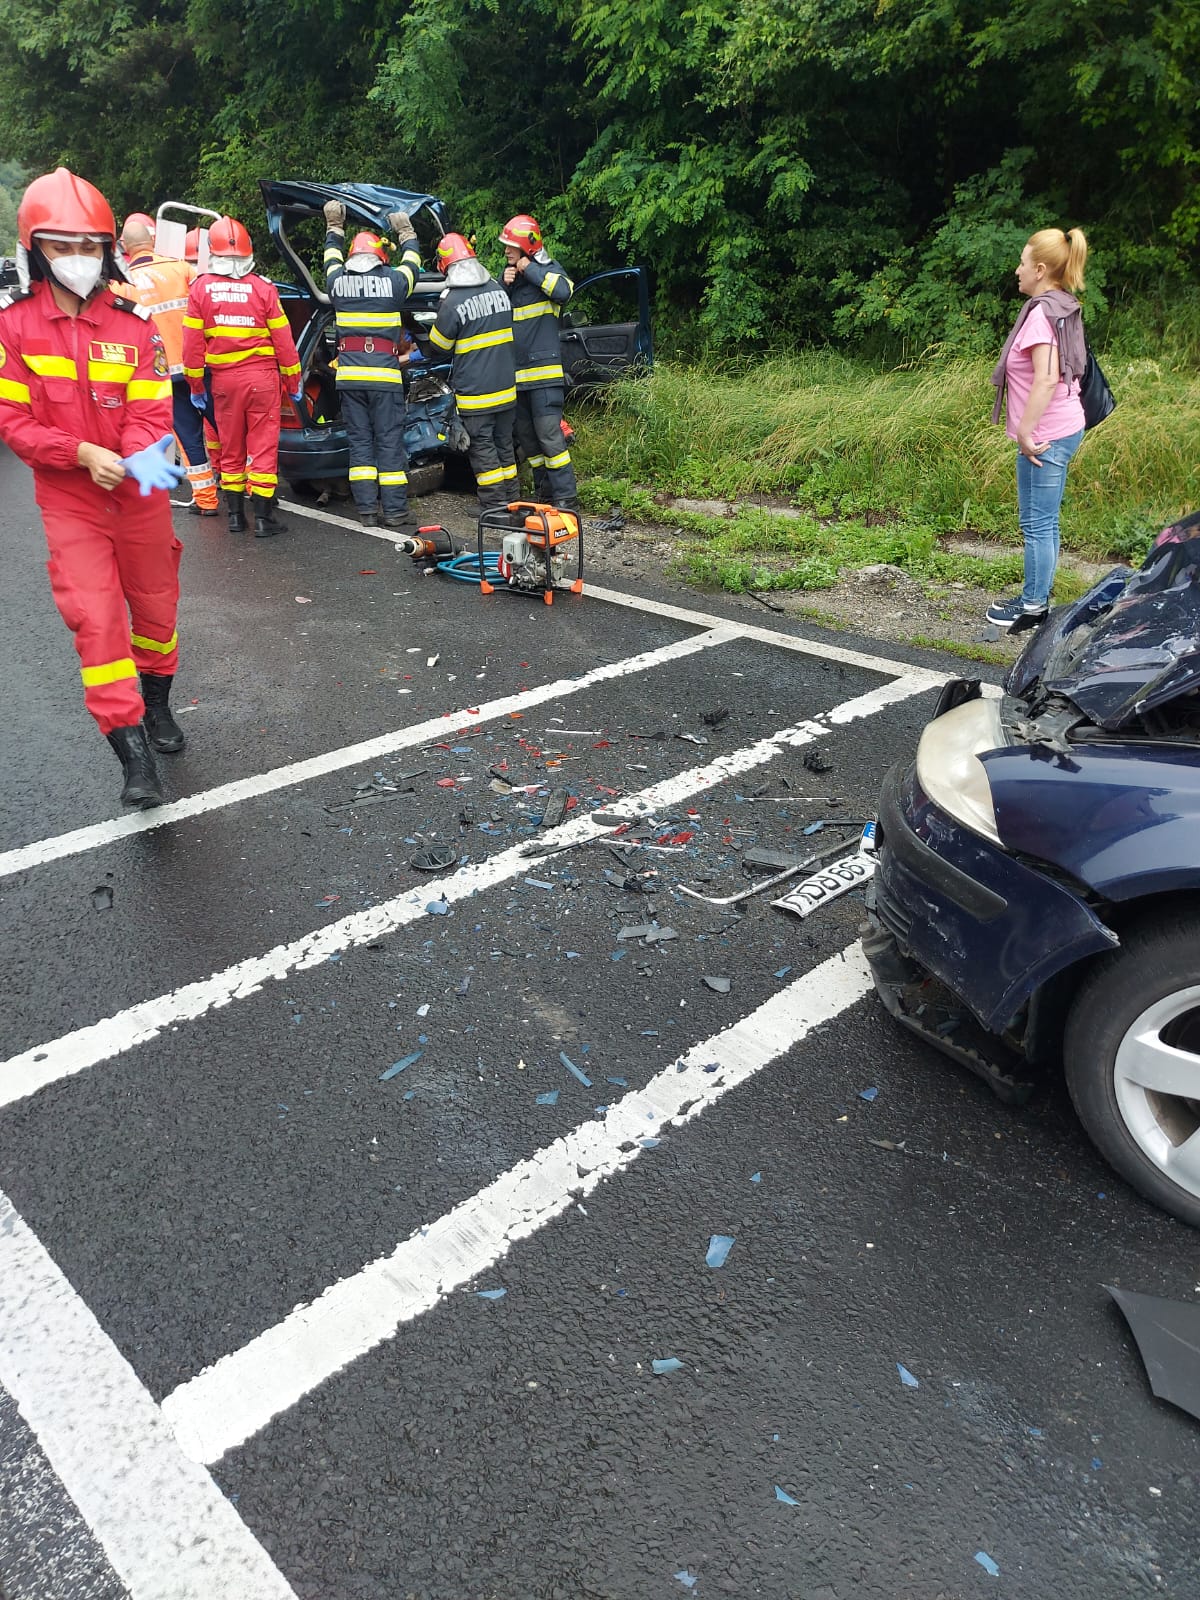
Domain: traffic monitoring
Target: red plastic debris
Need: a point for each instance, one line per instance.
(676, 838)
(602, 744)
(447, 783)
(367, 572)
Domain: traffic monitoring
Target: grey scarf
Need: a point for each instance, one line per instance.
(1072, 346)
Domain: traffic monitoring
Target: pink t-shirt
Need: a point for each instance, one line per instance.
(1064, 415)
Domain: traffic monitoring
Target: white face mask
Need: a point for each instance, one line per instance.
(79, 274)
(363, 262)
(231, 266)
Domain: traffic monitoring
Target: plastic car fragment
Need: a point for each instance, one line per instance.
(1167, 1334)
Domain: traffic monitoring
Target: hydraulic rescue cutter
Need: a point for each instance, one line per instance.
(431, 544)
(534, 545)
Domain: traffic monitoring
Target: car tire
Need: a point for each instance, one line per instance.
(426, 479)
(1131, 1052)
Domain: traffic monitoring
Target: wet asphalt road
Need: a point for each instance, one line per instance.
(196, 1186)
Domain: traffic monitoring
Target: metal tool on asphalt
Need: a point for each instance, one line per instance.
(433, 543)
(813, 860)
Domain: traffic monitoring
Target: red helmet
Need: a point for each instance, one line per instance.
(451, 248)
(229, 238)
(368, 244)
(523, 233)
(191, 246)
(62, 203)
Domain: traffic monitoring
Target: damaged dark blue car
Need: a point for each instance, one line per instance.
(1036, 901)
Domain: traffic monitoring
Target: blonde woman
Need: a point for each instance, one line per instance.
(1037, 381)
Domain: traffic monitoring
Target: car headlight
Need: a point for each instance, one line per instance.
(948, 765)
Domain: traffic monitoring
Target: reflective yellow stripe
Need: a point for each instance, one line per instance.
(363, 475)
(539, 374)
(536, 461)
(18, 393)
(277, 322)
(193, 322)
(109, 672)
(540, 308)
(235, 482)
(193, 372)
(235, 333)
(563, 460)
(140, 642)
(485, 341)
(333, 255)
(386, 478)
(110, 371)
(269, 478)
(240, 355)
(487, 402)
(148, 389)
(440, 339)
(510, 472)
(549, 281)
(369, 319)
(495, 476)
(290, 372)
(51, 366)
(369, 374)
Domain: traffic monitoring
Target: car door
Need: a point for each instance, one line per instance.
(605, 330)
(294, 205)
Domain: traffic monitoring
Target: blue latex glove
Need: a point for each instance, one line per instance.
(199, 401)
(296, 396)
(150, 469)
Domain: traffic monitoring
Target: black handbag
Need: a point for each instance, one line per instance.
(1096, 398)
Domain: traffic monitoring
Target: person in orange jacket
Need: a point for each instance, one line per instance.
(235, 324)
(85, 400)
(162, 285)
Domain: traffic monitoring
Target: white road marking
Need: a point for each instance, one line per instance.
(34, 1069)
(232, 1400)
(167, 1530)
(419, 733)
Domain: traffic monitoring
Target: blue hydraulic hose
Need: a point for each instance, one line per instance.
(465, 567)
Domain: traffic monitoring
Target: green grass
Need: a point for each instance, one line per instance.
(882, 466)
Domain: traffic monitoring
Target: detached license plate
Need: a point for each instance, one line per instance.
(811, 893)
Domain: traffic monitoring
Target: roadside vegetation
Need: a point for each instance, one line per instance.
(826, 463)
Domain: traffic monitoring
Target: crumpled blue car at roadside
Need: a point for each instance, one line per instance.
(1036, 901)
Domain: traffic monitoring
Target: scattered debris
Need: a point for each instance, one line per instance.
(434, 859)
(668, 1364)
(868, 1094)
(814, 761)
(398, 1067)
(906, 1377)
(102, 897)
(491, 1294)
(889, 1144)
(538, 883)
(986, 1562)
(692, 738)
(686, 1578)
(714, 719)
(1167, 1334)
(549, 1098)
(573, 1069)
(771, 860)
(756, 1177)
(719, 1247)
(718, 985)
(768, 883)
(556, 808)
(438, 908)
(783, 1496)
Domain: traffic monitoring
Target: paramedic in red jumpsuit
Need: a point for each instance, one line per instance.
(235, 325)
(85, 400)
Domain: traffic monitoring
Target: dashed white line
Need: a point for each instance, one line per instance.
(34, 1069)
(232, 1400)
(167, 1530)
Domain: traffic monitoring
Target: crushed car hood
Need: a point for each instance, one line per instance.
(1131, 644)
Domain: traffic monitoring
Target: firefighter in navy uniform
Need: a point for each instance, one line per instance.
(539, 289)
(85, 400)
(474, 324)
(367, 296)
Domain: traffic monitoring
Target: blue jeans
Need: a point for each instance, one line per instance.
(1039, 498)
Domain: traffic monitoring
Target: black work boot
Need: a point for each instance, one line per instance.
(266, 523)
(137, 761)
(235, 504)
(400, 522)
(163, 732)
